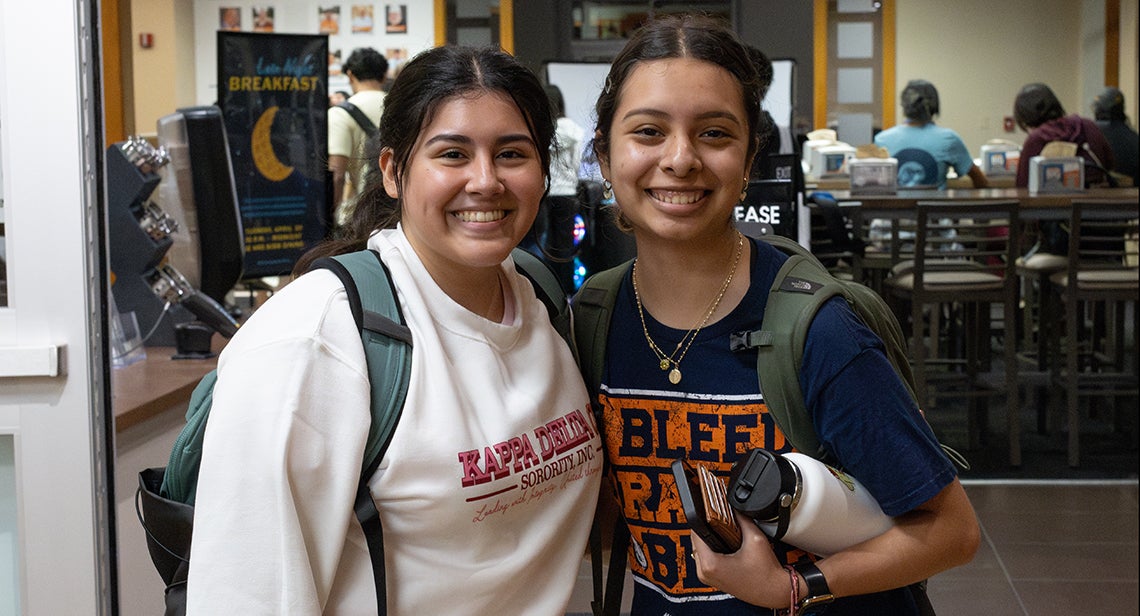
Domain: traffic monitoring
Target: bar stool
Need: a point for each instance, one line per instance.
(1038, 319)
(961, 264)
(1101, 279)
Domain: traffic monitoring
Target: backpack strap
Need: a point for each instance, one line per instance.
(801, 287)
(180, 481)
(358, 115)
(388, 353)
(547, 289)
(592, 308)
(797, 293)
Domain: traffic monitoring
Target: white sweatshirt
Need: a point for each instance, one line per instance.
(486, 493)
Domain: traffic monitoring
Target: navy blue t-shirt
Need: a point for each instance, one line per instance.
(716, 413)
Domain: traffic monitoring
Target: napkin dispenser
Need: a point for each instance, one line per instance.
(1056, 174)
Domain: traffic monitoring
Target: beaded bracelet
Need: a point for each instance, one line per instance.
(794, 597)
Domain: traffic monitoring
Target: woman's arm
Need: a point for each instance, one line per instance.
(938, 535)
(281, 457)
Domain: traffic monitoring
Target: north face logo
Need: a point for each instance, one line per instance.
(799, 285)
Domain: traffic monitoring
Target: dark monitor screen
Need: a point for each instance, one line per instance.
(198, 190)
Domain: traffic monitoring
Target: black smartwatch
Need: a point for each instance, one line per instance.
(818, 594)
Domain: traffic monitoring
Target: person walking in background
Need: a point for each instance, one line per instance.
(770, 141)
(926, 151)
(366, 69)
(461, 167)
(553, 230)
(1108, 111)
(673, 387)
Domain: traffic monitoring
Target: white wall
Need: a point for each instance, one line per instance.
(160, 76)
(302, 17)
(979, 53)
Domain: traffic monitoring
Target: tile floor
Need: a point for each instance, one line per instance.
(1056, 541)
(1049, 548)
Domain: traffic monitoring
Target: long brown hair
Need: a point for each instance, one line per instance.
(426, 82)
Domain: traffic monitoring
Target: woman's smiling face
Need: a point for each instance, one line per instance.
(678, 148)
(472, 185)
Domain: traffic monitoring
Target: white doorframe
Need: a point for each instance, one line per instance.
(58, 560)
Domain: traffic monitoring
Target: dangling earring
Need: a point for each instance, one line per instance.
(744, 191)
(607, 190)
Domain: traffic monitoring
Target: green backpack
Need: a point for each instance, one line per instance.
(800, 288)
(164, 501)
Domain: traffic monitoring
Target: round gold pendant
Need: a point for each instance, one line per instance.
(675, 376)
(664, 364)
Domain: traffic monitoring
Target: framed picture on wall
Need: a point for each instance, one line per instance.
(361, 18)
(229, 18)
(262, 18)
(396, 56)
(396, 18)
(330, 19)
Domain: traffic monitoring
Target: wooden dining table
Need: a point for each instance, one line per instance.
(1032, 207)
(906, 199)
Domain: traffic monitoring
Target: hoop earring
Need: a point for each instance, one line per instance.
(607, 190)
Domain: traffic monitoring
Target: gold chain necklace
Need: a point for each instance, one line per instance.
(667, 361)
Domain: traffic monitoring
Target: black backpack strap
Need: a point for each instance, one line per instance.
(388, 352)
(615, 577)
(592, 308)
(547, 289)
(358, 115)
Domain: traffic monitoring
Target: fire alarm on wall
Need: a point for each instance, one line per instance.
(1007, 124)
(146, 40)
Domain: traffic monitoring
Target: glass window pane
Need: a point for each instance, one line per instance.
(855, 6)
(855, 40)
(3, 249)
(9, 559)
(855, 85)
(615, 19)
(855, 128)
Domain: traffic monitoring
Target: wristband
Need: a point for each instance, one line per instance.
(818, 594)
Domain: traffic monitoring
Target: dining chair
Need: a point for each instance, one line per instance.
(961, 270)
(887, 238)
(1097, 293)
(835, 238)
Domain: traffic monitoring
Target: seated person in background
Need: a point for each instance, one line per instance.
(926, 151)
(1039, 113)
(1108, 109)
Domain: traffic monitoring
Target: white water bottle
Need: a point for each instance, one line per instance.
(805, 503)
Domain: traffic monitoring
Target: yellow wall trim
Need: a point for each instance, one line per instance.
(507, 25)
(819, 65)
(888, 68)
(440, 23)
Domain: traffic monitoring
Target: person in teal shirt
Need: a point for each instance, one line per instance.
(926, 151)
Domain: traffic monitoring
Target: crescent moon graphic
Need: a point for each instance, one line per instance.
(264, 158)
